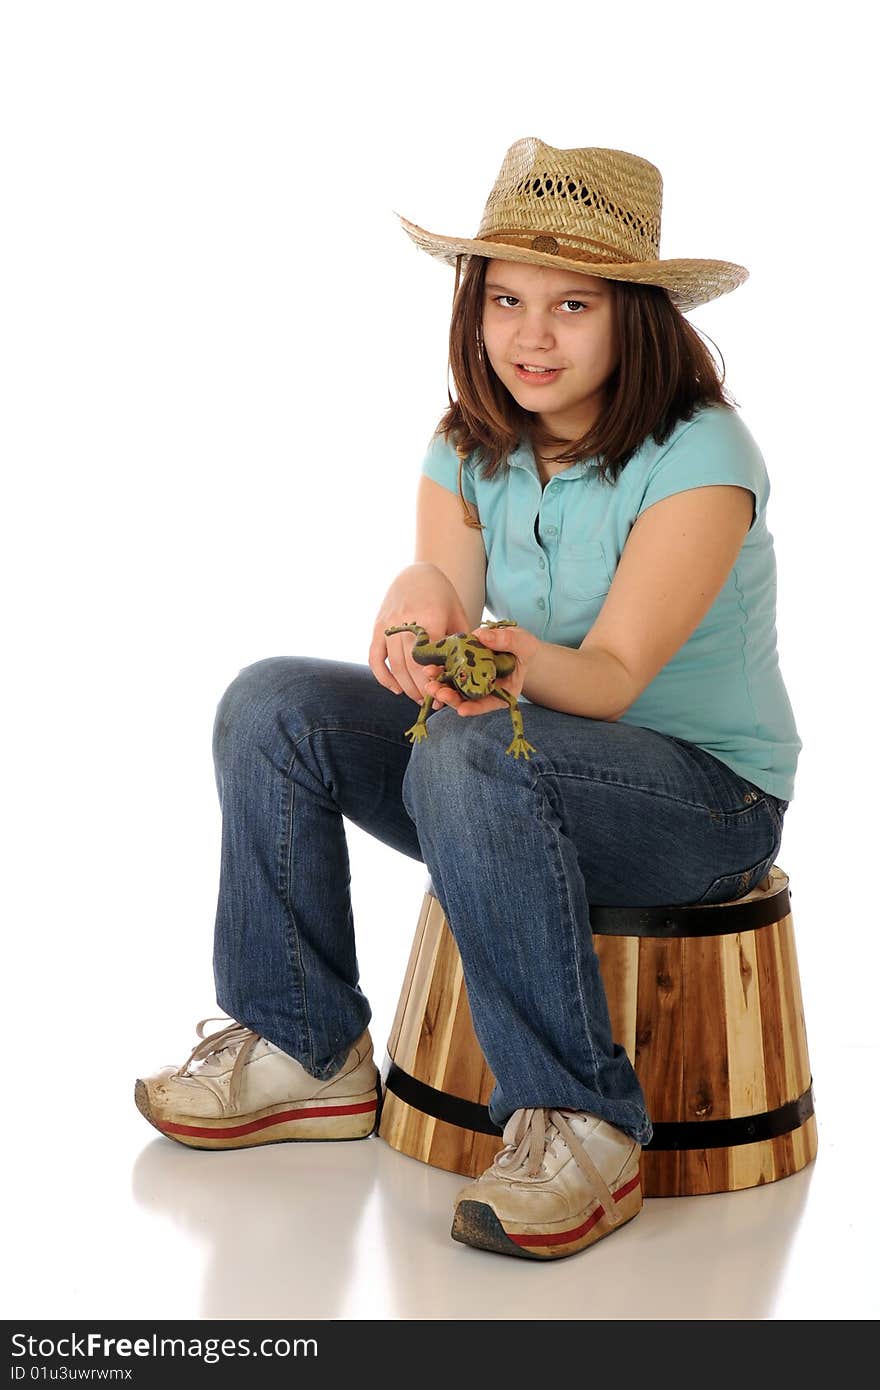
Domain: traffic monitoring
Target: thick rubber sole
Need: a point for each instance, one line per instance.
(291, 1122)
(478, 1224)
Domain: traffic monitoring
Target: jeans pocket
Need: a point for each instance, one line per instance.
(731, 886)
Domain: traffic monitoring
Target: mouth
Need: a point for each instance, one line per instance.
(527, 372)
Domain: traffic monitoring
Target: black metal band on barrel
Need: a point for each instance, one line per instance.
(699, 919)
(688, 1134)
(467, 1114)
(702, 919)
(726, 1134)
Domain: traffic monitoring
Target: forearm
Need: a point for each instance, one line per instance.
(589, 681)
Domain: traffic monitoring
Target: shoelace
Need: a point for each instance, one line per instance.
(233, 1035)
(526, 1138)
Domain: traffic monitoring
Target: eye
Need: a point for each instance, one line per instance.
(496, 299)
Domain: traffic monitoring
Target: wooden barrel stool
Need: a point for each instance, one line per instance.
(706, 1001)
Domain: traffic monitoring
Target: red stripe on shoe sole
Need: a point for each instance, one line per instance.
(235, 1131)
(565, 1237)
(627, 1187)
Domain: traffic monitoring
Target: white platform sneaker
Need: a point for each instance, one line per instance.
(236, 1089)
(563, 1180)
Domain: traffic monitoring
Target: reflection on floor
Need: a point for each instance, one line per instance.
(136, 1226)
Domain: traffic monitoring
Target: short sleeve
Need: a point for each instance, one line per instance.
(713, 448)
(441, 463)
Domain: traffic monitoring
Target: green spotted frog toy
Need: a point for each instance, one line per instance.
(472, 669)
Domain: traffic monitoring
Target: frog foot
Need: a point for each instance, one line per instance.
(417, 732)
(520, 744)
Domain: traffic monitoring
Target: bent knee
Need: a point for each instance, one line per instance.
(456, 751)
(253, 697)
(287, 696)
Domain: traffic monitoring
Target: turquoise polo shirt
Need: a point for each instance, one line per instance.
(552, 553)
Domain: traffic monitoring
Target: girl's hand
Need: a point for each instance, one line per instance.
(421, 593)
(517, 640)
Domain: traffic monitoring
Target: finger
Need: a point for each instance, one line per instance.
(480, 706)
(492, 638)
(406, 674)
(397, 660)
(376, 661)
(504, 639)
(422, 674)
(405, 680)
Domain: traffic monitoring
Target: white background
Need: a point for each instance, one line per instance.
(222, 359)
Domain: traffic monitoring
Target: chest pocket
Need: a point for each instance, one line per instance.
(582, 570)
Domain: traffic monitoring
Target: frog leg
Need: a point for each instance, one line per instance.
(502, 622)
(419, 730)
(520, 743)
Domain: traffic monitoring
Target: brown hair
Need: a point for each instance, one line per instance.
(664, 374)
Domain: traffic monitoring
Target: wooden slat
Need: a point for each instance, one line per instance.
(771, 1017)
(705, 1089)
(438, 1014)
(790, 1023)
(776, 1035)
(742, 1021)
(618, 958)
(752, 1165)
(658, 1050)
(749, 1163)
(411, 1027)
(794, 1006)
(461, 1151)
(416, 1132)
(468, 1074)
(403, 1000)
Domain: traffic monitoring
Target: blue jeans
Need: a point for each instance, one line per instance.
(517, 850)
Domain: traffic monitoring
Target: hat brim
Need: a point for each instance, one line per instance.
(690, 282)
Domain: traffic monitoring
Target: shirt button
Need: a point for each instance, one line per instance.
(541, 565)
(551, 530)
(541, 603)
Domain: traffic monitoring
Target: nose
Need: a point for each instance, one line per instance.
(535, 331)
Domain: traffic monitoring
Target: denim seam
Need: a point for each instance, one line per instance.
(760, 869)
(777, 816)
(558, 867)
(342, 729)
(764, 864)
(775, 831)
(285, 874)
(648, 791)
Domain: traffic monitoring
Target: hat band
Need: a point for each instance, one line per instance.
(569, 248)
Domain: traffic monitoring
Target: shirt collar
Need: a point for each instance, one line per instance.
(523, 457)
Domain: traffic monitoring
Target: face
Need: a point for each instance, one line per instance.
(548, 317)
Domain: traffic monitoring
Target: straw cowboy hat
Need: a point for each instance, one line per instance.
(593, 211)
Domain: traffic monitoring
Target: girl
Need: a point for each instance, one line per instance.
(594, 482)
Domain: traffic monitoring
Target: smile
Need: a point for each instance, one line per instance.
(536, 374)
